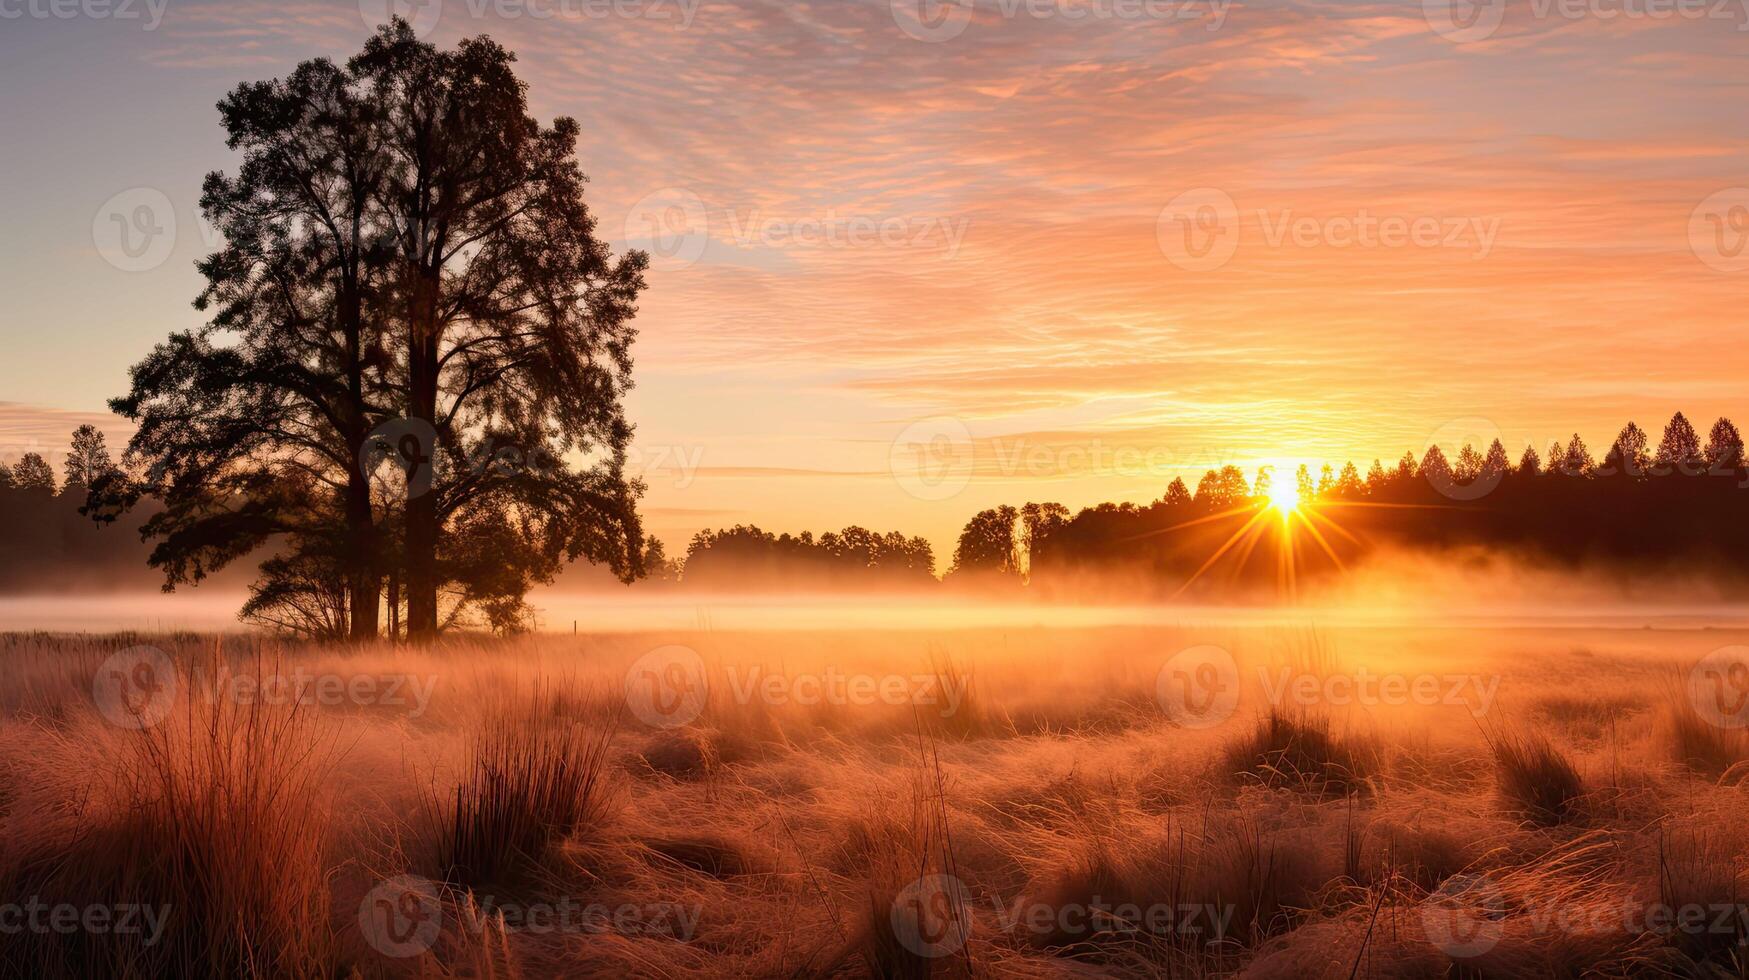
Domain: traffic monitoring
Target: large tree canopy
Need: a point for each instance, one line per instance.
(515, 351)
(407, 263)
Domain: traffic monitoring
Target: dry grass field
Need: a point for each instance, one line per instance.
(1034, 802)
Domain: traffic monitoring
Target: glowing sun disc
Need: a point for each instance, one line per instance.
(1284, 498)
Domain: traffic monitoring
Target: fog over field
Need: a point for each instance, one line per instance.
(1389, 589)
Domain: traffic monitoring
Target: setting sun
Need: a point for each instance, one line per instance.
(1284, 498)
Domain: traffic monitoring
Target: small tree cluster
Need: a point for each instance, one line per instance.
(744, 556)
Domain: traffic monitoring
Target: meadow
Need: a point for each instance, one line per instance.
(1281, 801)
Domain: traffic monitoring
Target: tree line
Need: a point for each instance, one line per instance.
(745, 557)
(1561, 504)
(87, 462)
(408, 389)
(1677, 504)
(46, 543)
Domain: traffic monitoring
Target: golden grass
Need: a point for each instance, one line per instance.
(1050, 821)
(217, 817)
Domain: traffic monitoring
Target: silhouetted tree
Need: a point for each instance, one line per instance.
(1303, 484)
(33, 475)
(301, 592)
(407, 266)
(1037, 523)
(252, 427)
(658, 567)
(1406, 467)
(1556, 458)
(1628, 456)
(987, 544)
(1222, 488)
(1469, 464)
(1375, 477)
(1577, 459)
(1264, 481)
(745, 556)
(1679, 450)
(517, 320)
(1434, 468)
(1177, 494)
(1326, 480)
(88, 461)
(5, 476)
(1348, 485)
(1496, 462)
(1724, 448)
(1529, 464)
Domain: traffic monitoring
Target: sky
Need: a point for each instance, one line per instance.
(917, 258)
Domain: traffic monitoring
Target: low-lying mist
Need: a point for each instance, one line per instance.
(1476, 587)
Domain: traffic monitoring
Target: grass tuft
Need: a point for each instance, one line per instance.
(1300, 751)
(1535, 779)
(534, 776)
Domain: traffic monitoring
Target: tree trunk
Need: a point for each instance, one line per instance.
(421, 511)
(364, 567)
(421, 568)
(362, 595)
(394, 607)
(364, 581)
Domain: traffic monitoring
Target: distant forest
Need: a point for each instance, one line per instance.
(47, 544)
(1678, 504)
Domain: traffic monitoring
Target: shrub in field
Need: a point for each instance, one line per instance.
(1534, 778)
(535, 774)
(1300, 751)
